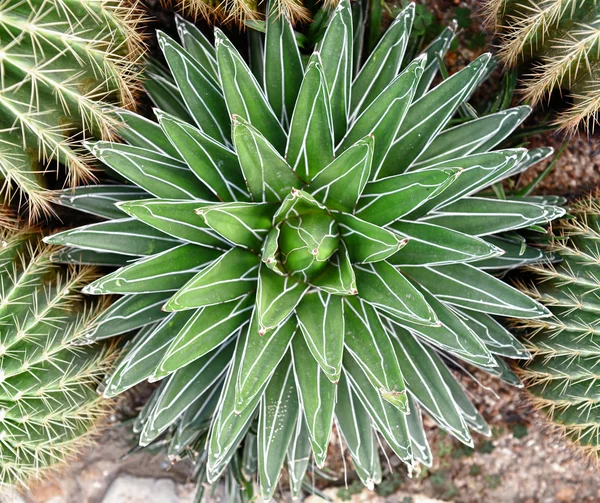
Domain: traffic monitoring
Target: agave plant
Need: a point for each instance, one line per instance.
(308, 247)
(60, 62)
(562, 375)
(561, 37)
(48, 402)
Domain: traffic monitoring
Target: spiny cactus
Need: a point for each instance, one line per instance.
(563, 39)
(48, 403)
(60, 62)
(562, 377)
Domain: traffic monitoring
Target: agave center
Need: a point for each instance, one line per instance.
(307, 242)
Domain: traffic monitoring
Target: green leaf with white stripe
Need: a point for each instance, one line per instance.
(366, 242)
(428, 116)
(434, 51)
(144, 354)
(199, 90)
(310, 141)
(128, 313)
(232, 276)
(176, 218)
(197, 45)
(386, 200)
(125, 236)
(243, 224)
(466, 286)
(339, 185)
(268, 176)
(516, 254)
(298, 454)
(208, 328)
(427, 385)
(386, 289)
(276, 298)
(383, 118)
(90, 257)
(260, 356)
(163, 272)
(354, 423)
(430, 244)
(214, 164)
(295, 204)
(336, 56)
(269, 253)
(366, 340)
(321, 318)
(243, 94)
(383, 64)
(317, 397)
(99, 200)
(338, 278)
(276, 425)
(416, 431)
(164, 94)
(282, 65)
(158, 174)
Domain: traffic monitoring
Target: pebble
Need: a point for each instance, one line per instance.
(130, 489)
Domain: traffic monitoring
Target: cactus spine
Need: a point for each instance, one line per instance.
(48, 403)
(563, 37)
(61, 61)
(562, 377)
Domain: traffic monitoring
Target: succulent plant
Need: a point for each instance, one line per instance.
(49, 407)
(562, 374)
(322, 245)
(562, 37)
(60, 62)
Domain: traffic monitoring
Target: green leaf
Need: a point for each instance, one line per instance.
(481, 134)
(270, 255)
(516, 254)
(215, 165)
(268, 176)
(424, 381)
(310, 142)
(383, 63)
(385, 288)
(298, 454)
(366, 242)
(99, 200)
(198, 46)
(144, 353)
(158, 174)
(232, 276)
(338, 278)
(283, 70)
(163, 272)
(295, 204)
(276, 425)
(383, 118)
(78, 256)
(434, 51)
(124, 236)
(175, 218)
(321, 318)
(317, 397)
(355, 426)
(389, 199)
(366, 340)
(209, 327)
(128, 313)
(276, 298)
(243, 94)
(164, 94)
(430, 244)
(466, 286)
(339, 185)
(201, 94)
(428, 115)
(186, 388)
(336, 56)
(388, 419)
(416, 431)
(243, 224)
(478, 216)
(260, 357)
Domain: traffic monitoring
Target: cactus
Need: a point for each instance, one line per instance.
(563, 39)
(48, 404)
(562, 376)
(60, 62)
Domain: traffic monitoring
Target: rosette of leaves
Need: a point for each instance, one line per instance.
(61, 62)
(561, 377)
(49, 407)
(309, 246)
